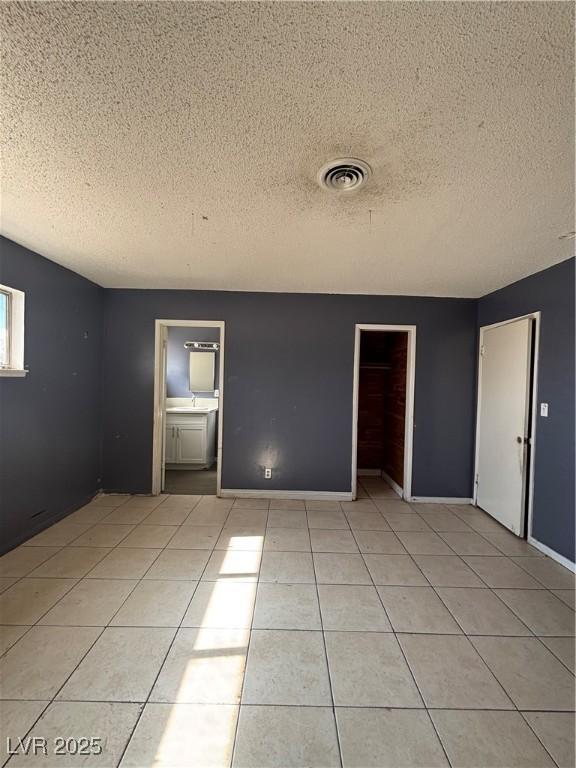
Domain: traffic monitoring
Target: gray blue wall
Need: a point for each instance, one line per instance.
(551, 292)
(50, 449)
(84, 412)
(178, 360)
(288, 372)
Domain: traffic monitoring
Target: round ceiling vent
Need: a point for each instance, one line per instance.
(344, 175)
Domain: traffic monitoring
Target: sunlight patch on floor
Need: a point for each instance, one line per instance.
(214, 654)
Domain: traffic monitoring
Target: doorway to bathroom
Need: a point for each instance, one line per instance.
(383, 407)
(188, 400)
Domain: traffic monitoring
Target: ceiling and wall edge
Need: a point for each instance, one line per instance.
(304, 293)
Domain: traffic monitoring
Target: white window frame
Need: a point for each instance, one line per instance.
(15, 365)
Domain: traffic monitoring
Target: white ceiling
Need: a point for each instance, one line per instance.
(176, 145)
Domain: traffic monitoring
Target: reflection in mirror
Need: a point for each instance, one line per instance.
(202, 366)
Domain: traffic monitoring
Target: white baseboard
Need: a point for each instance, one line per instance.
(369, 472)
(440, 500)
(392, 484)
(245, 493)
(552, 554)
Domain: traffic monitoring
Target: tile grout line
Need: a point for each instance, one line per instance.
(539, 580)
(241, 695)
(298, 629)
(409, 668)
(531, 636)
(493, 591)
(86, 576)
(52, 700)
(561, 637)
(179, 526)
(477, 653)
(117, 546)
(30, 576)
(283, 551)
(83, 657)
(78, 580)
(47, 611)
(488, 589)
(471, 644)
(328, 671)
(313, 706)
(504, 530)
(435, 588)
(144, 704)
(297, 552)
(544, 747)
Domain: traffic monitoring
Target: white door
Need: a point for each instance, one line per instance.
(503, 422)
(192, 444)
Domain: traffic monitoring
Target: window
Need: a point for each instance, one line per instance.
(4, 329)
(11, 332)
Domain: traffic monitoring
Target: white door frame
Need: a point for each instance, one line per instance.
(409, 416)
(160, 337)
(534, 404)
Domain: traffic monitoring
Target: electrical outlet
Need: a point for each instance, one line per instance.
(267, 473)
(543, 409)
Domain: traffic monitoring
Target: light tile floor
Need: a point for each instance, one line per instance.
(190, 631)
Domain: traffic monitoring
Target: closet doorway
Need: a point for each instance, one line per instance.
(383, 405)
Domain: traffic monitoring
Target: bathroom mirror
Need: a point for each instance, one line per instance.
(202, 371)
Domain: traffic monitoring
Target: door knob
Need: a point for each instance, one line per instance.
(519, 439)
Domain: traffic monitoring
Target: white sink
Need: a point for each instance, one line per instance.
(192, 409)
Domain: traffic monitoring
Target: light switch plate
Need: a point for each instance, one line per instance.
(543, 409)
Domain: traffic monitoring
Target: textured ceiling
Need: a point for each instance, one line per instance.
(177, 144)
